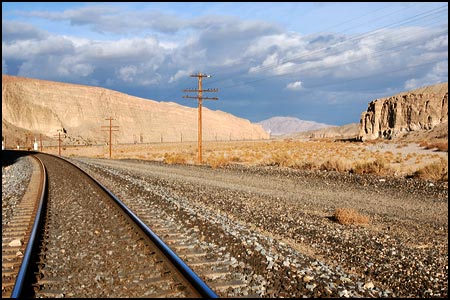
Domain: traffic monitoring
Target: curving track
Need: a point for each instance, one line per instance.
(91, 246)
(18, 238)
(247, 232)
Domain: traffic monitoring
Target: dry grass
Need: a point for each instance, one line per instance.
(377, 166)
(435, 171)
(175, 158)
(373, 157)
(218, 161)
(348, 216)
(334, 165)
(439, 146)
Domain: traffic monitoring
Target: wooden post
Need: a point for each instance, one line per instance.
(110, 133)
(200, 98)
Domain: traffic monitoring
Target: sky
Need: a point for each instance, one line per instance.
(321, 62)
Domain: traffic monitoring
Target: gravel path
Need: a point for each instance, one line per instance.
(281, 221)
(277, 223)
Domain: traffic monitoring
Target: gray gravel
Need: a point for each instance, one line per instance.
(16, 174)
(274, 225)
(277, 224)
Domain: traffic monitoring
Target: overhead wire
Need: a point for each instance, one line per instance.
(415, 18)
(370, 55)
(379, 73)
(324, 32)
(223, 69)
(358, 37)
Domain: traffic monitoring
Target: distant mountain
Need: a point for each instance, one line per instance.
(344, 131)
(287, 125)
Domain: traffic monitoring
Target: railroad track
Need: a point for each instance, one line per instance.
(90, 245)
(19, 236)
(154, 204)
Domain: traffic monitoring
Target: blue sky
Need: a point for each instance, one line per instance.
(320, 62)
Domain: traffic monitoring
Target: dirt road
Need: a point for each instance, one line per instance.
(278, 223)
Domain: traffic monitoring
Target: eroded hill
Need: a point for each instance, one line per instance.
(44, 107)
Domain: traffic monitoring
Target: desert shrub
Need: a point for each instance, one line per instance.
(280, 159)
(410, 155)
(218, 161)
(423, 144)
(388, 154)
(306, 166)
(440, 146)
(235, 158)
(378, 166)
(333, 165)
(348, 216)
(174, 158)
(443, 146)
(398, 159)
(435, 171)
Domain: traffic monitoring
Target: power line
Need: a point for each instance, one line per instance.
(409, 20)
(355, 38)
(317, 50)
(376, 74)
(380, 53)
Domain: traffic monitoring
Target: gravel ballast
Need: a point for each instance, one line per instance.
(277, 225)
(279, 221)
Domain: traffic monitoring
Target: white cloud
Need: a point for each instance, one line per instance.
(250, 59)
(127, 73)
(70, 66)
(29, 49)
(294, 86)
(178, 75)
(439, 73)
(140, 49)
(13, 31)
(281, 42)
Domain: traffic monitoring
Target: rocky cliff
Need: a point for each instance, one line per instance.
(420, 109)
(44, 107)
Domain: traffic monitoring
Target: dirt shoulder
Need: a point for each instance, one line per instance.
(408, 218)
(397, 204)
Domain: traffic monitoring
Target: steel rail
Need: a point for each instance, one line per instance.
(25, 268)
(202, 288)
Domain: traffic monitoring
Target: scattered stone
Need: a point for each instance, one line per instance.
(15, 243)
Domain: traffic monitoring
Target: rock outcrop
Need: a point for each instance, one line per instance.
(420, 109)
(43, 107)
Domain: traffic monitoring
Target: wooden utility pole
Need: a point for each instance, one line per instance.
(110, 132)
(59, 141)
(28, 137)
(200, 98)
